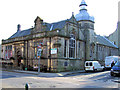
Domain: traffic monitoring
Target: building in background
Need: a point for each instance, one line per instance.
(66, 44)
(115, 36)
(0, 51)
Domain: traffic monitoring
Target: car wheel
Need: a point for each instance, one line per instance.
(103, 69)
(114, 75)
(95, 70)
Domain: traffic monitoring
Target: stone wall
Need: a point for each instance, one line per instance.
(59, 65)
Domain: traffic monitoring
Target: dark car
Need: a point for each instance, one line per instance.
(115, 69)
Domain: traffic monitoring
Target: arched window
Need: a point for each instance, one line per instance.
(72, 43)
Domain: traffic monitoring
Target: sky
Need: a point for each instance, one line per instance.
(24, 12)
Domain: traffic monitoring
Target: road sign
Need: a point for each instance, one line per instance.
(38, 53)
(39, 49)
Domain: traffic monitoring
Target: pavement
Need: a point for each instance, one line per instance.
(42, 74)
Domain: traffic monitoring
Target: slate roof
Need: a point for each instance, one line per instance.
(104, 41)
(52, 26)
(56, 25)
(21, 33)
(59, 25)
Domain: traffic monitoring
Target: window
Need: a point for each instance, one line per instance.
(65, 48)
(79, 45)
(90, 63)
(87, 64)
(8, 51)
(72, 43)
(65, 64)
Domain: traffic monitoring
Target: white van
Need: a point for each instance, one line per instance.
(93, 66)
(110, 59)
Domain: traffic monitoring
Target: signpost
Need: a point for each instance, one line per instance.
(39, 49)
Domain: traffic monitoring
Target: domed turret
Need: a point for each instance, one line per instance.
(83, 14)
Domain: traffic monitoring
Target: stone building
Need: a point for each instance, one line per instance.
(0, 51)
(115, 36)
(65, 45)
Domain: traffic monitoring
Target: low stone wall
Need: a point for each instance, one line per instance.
(67, 65)
(57, 65)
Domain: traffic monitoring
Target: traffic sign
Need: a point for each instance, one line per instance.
(38, 53)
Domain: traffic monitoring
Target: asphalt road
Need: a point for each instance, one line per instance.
(80, 80)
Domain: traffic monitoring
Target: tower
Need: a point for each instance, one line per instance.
(119, 29)
(87, 26)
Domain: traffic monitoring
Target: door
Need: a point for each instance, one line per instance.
(18, 58)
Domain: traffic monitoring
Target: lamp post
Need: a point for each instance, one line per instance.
(39, 55)
(50, 55)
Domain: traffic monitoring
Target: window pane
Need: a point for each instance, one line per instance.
(90, 63)
(72, 43)
(65, 45)
(86, 64)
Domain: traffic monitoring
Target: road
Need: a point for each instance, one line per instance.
(80, 80)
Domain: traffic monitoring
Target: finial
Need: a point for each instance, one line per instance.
(83, 3)
(72, 13)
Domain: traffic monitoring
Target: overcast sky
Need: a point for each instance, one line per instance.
(24, 12)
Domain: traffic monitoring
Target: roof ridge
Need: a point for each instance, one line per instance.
(109, 41)
(59, 21)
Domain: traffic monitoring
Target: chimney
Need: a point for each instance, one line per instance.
(18, 27)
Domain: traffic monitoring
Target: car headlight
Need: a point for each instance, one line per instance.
(111, 69)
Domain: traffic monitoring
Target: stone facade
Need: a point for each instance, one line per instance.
(0, 51)
(74, 41)
(115, 36)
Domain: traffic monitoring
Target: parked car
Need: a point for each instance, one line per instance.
(115, 69)
(109, 60)
(93, 66)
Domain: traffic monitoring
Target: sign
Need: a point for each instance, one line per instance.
(39, 50)
(54, 51)
(39, 53)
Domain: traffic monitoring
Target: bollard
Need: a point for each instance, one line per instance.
(26, 86)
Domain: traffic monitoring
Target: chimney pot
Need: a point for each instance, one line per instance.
(18, 27)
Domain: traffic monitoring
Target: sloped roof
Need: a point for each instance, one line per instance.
(104, 41)
(57, 25)
(21, 33)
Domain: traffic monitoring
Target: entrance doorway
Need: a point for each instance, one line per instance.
(18, 58)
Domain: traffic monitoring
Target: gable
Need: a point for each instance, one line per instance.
(72, 20)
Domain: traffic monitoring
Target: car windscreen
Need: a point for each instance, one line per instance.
(117, 64)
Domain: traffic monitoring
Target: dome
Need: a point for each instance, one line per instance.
(83, 14)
